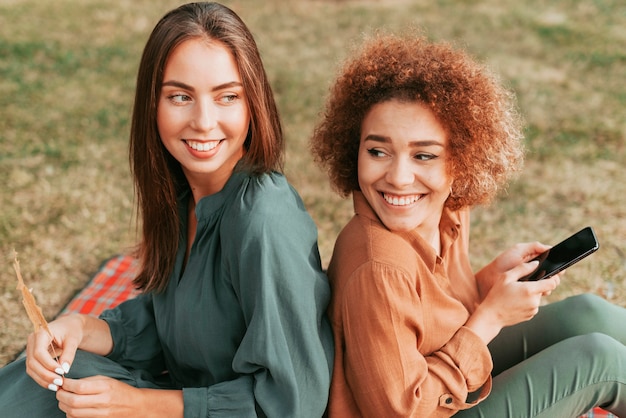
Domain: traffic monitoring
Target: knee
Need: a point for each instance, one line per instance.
(596, 343)
(587, 313)
(601, 351)
(586, 302)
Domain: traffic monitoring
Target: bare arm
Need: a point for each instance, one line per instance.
(96, 335)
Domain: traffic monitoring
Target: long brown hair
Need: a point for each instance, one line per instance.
(158, 176)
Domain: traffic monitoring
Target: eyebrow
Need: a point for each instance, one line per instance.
(181, 85)
(421, 143)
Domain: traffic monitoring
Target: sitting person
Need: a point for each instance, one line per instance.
(231, 321)
(418, 132)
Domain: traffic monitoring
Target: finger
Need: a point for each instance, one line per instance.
(539, 247)
(86, 386)
(530, 250)
(554, 281)
(43, 377)
(38, 349)
(78, 405)
(545, 285)
(76, 386)
(40, 364)
(523, 269)
(68, 354)
(46, 379)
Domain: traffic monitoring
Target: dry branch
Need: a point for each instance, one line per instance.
(28, 300)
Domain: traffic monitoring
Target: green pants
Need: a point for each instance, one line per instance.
(21, 397)
(568, 359)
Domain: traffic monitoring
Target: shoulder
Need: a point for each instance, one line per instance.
(266, 202)
(365, 245)
(270, 192)
(371, 265)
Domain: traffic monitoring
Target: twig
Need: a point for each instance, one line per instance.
(32, 310)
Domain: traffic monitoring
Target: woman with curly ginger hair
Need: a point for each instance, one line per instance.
(418, 133)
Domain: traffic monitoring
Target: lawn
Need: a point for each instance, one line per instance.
(67, 75)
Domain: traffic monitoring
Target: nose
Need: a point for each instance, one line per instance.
(204, 116)
(400, 174)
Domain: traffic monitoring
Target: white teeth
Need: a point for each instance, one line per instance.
(202, 146)
(401, 200)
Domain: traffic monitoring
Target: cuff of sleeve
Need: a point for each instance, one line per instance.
(234, 398)
(448, 401)
(472, 356)
(112, 318)
(473, 360)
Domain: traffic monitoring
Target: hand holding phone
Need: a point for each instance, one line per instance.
(564, 254)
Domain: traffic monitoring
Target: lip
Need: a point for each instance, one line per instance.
(203, 148)
(401, 201)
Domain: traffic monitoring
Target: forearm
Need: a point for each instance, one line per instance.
(485, 278)
(96, 335)
(162, 403)
(484, 324)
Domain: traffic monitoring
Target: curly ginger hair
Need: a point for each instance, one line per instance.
(479, 115)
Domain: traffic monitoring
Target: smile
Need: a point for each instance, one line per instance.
(401, 200)
(202, 146)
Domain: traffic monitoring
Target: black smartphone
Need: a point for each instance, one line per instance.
(564, 254)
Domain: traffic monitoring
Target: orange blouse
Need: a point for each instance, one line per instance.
(398, 312)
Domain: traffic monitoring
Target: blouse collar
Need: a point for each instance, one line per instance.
(449, 229)
(212, 203)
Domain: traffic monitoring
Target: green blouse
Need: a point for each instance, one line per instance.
(242, 330)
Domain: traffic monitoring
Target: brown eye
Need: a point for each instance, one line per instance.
(424, 156)
(375, 153)
(179, 98)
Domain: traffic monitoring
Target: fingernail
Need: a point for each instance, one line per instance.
(59, 370)
(58, 381)
(53, 387)
(66, 367)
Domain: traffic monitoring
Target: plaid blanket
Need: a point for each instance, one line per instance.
(597, 413)
(112, 285)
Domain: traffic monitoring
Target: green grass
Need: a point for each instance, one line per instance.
(67, 74)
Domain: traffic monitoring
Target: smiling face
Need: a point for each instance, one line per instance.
(202, 114)
(402, 166)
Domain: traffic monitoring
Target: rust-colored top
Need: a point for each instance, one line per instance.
(398, 312)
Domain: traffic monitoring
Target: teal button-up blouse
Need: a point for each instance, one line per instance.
(241, 329)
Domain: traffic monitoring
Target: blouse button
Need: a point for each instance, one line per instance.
(449, 401)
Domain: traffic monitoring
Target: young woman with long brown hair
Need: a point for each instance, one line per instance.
(231, 321)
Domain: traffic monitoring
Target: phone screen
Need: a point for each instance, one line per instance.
(564, 254)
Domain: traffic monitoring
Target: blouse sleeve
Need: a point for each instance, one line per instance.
(387, 374)
(135, 341)
(271, 256)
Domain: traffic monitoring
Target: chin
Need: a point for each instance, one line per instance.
(399, 227)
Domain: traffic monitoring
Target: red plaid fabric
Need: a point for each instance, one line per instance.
(112, 285)
(598, 413)
(109, 287)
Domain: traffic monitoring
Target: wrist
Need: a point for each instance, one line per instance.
(484, 324)
(95, 335)
(162, 403)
